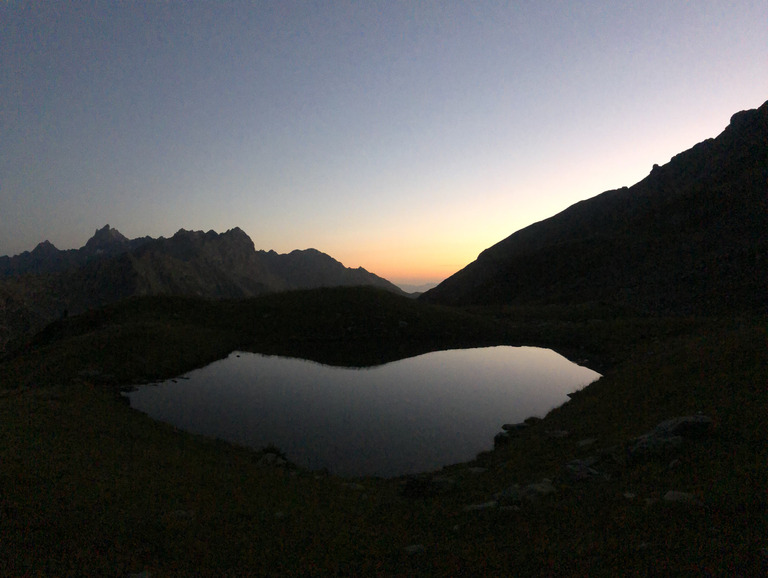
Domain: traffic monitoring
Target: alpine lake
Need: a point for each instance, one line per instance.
(409, 416)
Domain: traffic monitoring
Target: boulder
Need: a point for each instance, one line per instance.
(537, 490)
(682, 498)
(514, 427)
(581, 470)
(512, 495)
(690, 426)
(669, 435)
(490, 505)
(502, 438)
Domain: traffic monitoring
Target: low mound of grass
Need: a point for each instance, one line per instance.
(90, 487)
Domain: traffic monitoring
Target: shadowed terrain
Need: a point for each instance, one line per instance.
(689, 238)
(658, 468)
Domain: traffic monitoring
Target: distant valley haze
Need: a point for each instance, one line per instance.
(404, 138)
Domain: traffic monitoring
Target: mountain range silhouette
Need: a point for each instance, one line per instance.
(690, 238)
(42, 285)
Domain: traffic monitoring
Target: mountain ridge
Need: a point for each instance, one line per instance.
(49, 283)
(688, 238)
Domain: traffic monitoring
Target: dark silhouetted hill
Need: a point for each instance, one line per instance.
(51, 283)
(692, 237)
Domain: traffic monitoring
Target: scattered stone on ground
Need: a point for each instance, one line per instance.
(183, 514)
(414, 549)
(511, 495)
(443, 484)
(668, 436)
(421, 486)
(690, 426)
(580, 470)
(271, 459)
(542, 488)
(481, 507)
(682, 498)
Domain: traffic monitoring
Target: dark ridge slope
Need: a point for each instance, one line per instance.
(310, 269)
(692, 237)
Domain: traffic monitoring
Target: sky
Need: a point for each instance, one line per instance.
(402, 137)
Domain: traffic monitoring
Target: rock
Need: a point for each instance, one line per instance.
(652, 444)
(477, 470)
(682, 498)
(509, 496)
(271, 459)
(668, 436)
(514, 427)
(614, 453)
(533, 420)
(580, 470)
(481, 507)
(556, 433)
(443, 484)
(424, 485)
(183, 514)
(502, 438)
(542, 488)
(690, 426)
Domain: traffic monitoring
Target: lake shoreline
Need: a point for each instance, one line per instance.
(102, 489)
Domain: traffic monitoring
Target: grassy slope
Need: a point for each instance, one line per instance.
(88, 486)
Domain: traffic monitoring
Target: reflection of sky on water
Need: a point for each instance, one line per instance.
(412, 415)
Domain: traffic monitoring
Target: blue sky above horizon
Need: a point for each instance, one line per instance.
(403, 137)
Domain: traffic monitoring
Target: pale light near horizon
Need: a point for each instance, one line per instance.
(401, 137)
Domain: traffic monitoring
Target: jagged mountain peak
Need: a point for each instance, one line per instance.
(46, 248)
(105, 237)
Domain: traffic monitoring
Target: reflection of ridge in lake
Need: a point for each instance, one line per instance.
(413, 415)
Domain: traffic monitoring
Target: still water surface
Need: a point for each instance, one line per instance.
(408, 416)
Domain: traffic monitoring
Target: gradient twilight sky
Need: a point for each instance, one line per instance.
(403, 137)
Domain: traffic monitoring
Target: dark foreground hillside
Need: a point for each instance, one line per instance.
(692, 237)
(90, 487)
(45, 284)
